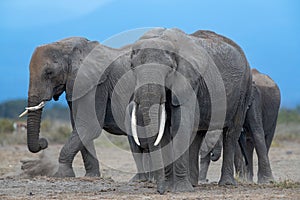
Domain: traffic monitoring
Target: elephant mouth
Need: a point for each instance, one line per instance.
(57, 91)
(161, 124)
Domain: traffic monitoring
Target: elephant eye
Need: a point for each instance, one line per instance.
(49, 73)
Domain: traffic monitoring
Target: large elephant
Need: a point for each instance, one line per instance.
(82, 69)
(259, 130)
(186, 85)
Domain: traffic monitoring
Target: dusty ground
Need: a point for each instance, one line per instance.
(117, 168)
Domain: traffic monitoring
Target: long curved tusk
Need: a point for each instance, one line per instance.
(161, 125)
(134, 126)
(32, 108)
(23, 113)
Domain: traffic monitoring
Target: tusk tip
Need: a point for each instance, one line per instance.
(137, 142)
(23, 113)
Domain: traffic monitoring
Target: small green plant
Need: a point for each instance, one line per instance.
(6, 126)
(108, 140)
(46, 125)
(286, 184)
(275, 143)
(64, 131)
(58, 134)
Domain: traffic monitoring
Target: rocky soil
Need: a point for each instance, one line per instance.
(117, 167)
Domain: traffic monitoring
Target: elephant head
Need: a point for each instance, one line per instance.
(151, 65)
(52, 71)
(166, 67)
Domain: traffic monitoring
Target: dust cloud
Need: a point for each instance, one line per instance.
(44, 165)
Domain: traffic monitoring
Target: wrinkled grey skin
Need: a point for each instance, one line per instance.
(259, 129)
(53, 69)
(164, 47)
(260, 124)
(213, 154)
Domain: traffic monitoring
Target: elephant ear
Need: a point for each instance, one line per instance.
(74, 50)
(183, 82)
(90, 66)
(191, 61)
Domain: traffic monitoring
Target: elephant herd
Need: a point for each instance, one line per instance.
(167, 92)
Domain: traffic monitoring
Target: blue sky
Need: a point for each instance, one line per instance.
(268, 31)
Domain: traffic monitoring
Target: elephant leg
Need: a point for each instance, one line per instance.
(87, 118)
(137, 154)
(67, 154)
(157, 167)
(91, 163)
(204, 164)
(230, 140)
(181, 133)
(168, 156)
(194, 157)
(249, 152)
(269, 135)
(97, 101)
(239, 163)
(254, 121)
(264, 168)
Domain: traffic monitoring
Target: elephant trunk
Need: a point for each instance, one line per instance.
(150, 107)
(216, 152)
(149, 116)
(34, 143)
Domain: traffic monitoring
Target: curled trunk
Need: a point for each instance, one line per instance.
(216, 152)
(34, 143)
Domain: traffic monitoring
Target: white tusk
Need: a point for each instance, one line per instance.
(23, 113)
(161, 125)
(33, 108)
(134, 126)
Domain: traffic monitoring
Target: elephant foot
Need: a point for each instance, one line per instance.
(194, 181)
(242, 178)
(161, 187)
(169, 183)
(249, 178)
(265, 179)
(183, 186)
(64, 170)
(227, 180)
(203, 181)
(92, 174)
(140, 177)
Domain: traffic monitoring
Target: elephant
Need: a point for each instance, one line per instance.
(260, 124)
(258, 130)
(178, 79)
(82, 69)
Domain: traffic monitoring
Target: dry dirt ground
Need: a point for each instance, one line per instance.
(117, 167)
